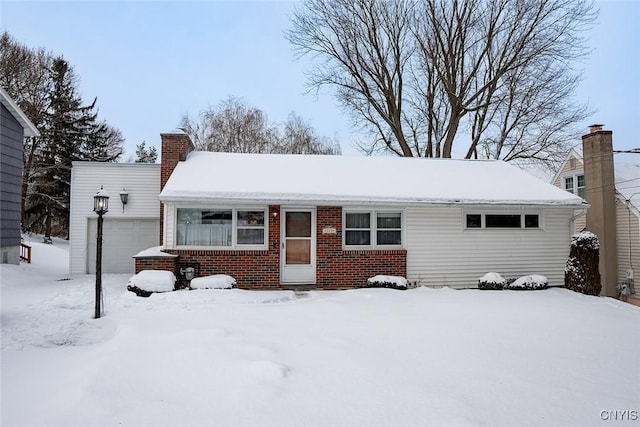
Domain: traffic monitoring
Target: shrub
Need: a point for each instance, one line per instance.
(532, 282)
(216, 281)
(581, 273)
(147, 282)
(492, 281)
(391, 282)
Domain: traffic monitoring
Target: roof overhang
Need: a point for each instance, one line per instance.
(29, 128)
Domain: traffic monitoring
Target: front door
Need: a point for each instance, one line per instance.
(298, 246)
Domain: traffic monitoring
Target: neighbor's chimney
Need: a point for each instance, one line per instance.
(175, 147)
(597, 151)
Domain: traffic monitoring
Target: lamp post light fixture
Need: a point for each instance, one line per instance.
(124, 198)
(101, 207)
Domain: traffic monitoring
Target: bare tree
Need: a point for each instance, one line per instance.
(423, 74)
(235, 127)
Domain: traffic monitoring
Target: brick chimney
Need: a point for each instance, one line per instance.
(597, 151)
(175, 147)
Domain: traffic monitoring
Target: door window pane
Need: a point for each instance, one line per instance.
(298, 224)
(298, 251)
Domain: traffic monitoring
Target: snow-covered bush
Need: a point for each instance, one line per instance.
(491, 281)
(147, 282)
(381, 281)
(581, 273)
(532, 282)
(217, 281)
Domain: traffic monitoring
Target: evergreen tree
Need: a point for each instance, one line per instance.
(45, 88)
(71, 132)
(144, 155)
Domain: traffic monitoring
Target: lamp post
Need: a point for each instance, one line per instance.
(101, 207)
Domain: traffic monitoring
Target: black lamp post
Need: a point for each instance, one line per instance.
(101, 207)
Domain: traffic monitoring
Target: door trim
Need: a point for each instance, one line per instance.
(310, 273)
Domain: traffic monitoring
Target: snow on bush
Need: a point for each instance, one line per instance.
(492, 281)
(534, 281)
(586, 240)
(149, 281)
(382, 281)
(217, 281)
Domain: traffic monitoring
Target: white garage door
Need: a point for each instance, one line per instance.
(121, 239)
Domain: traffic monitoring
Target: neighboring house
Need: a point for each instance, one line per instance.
(127, 229)
(619, 179)
(275, 221)
(14, 127)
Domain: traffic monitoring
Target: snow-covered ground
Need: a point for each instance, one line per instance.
(355, 358)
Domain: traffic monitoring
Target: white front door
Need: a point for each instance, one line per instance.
(298, 253)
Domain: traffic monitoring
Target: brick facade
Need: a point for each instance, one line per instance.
(338, 268)
(260, 269)
(175, 147)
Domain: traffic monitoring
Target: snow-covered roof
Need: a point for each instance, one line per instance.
(627, 175)
(281, 178)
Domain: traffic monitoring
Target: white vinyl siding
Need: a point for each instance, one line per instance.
(141, 181)
(442, 252)
(628, 238)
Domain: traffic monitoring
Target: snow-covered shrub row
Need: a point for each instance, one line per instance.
(147, 282)
(216, 281)
(392, 282)
(532, 282)
(492, 281)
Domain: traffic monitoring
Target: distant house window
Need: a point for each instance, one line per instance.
(373, 228)
(220, 227)
(491, 220)
(574, 184)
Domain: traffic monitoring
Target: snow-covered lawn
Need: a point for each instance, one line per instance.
(354, 358)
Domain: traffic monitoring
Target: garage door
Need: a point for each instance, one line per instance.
(121, 239)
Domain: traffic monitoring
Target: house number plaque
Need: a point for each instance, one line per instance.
(329, 230)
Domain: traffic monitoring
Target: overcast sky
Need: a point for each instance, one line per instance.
(151, 62)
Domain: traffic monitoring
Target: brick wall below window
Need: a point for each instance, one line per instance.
(260, 269)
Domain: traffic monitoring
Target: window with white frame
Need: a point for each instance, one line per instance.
(220, 227)
(373, 228)
(574, 184)
(502, 220)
